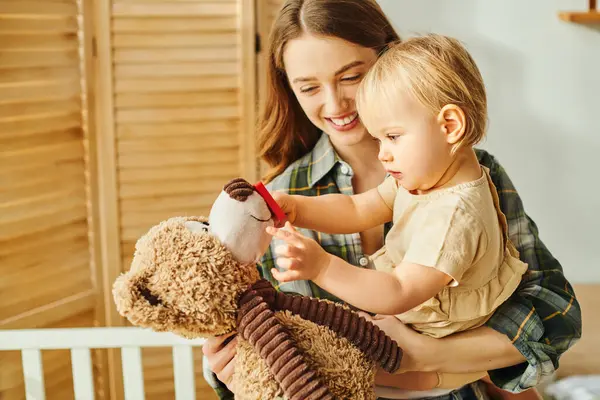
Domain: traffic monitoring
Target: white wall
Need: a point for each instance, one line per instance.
(543, 81)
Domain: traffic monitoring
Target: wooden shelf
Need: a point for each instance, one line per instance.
(585, 17)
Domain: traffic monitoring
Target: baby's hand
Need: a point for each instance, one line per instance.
(287, 204)
(301, 257)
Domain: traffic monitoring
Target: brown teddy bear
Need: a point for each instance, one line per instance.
(197, 277)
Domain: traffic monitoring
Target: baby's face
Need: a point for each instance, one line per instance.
(412, 144)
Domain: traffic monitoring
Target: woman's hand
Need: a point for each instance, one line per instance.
(301, 257)
(287, 203)
(419, 351)
(220, 355)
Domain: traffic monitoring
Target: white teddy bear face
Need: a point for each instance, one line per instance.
(239, 218)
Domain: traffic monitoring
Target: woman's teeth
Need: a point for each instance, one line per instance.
(344, 121)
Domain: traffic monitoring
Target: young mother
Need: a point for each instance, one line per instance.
(312, 138)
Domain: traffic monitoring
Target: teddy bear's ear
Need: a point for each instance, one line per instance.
(137, 303)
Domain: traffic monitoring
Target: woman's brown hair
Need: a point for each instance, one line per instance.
(284, 132)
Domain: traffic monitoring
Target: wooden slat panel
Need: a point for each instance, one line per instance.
(159, 85)
(177, 1)
(199, 172)
(67, 41)
(194, 203)
(131, 131)
(178, 144)
(37, 110)
(40, 293)
(53, 312)
(148, 41)
(41, 92)
(170, 187)
(152, 218)
(40, 8)
(43, 139)
(32, 76)
(42, 242)
(27, 59)
(44, 248)
(59, 177)
(135, 100)
(41, 125)
(134, 232)
(176, 70)
(22, 269)
(29, 26)
(43, 155)
(187, 24)
(177, 159)
(143, 56)
(41, 205)
(50, 221)
(177, 114)
(174, 9)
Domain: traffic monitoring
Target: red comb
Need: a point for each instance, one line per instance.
(271, 203)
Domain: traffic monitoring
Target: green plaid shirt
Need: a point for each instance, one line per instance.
(542, 318)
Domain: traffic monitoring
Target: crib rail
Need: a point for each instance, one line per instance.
(81, 340)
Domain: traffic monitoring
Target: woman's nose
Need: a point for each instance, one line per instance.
(336, 102)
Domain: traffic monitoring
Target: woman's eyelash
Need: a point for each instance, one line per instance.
(351, 78)
(307, 90)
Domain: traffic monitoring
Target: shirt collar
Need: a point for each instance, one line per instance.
(323, 158)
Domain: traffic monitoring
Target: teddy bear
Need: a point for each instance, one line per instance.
(197, 277)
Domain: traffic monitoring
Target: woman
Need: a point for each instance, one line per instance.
(312, 138)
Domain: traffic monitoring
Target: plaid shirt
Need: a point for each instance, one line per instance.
(542, 318)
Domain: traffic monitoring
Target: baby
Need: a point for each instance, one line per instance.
(447, 263)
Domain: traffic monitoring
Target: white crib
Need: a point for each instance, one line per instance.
(80, 340)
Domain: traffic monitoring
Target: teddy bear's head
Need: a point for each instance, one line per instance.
(188, 272)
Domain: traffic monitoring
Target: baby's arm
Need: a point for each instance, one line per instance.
(382, 292)
(338, 213)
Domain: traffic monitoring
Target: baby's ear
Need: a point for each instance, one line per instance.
(452, 120)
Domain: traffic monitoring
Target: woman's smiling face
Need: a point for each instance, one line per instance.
(324, 73)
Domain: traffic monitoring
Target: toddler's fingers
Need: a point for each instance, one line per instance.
(288, 237)
(285, 276)
(289, 251)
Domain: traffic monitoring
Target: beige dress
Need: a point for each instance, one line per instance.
(461, 232)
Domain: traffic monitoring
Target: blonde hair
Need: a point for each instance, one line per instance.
(437, 70)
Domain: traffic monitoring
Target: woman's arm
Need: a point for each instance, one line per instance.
(542, 319)
(480, 349)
